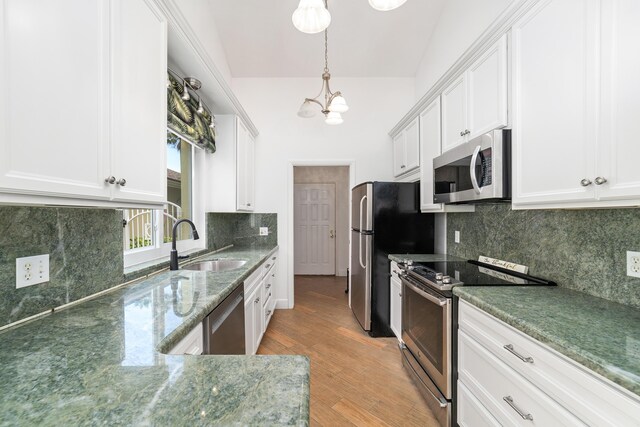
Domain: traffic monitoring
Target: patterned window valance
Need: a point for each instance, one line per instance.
(184, 120)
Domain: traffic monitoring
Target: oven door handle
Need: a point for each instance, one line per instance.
(472, 170)
(434, 299)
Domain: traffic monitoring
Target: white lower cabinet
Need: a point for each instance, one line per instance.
(395, 286)
(510, 377)
(192, 344)
(259, 302)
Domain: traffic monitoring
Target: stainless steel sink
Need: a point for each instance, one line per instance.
(216, 265)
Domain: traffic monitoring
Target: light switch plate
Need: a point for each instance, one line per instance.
(32, 270)
(264, 231)
(633, 264)
(456, 236)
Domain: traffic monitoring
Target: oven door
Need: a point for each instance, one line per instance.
(426, 331)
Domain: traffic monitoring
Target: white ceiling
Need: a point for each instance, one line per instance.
(260, 40)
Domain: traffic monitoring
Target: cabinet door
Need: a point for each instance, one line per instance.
(250, 331)
(487, 98)
(399, 165)
(241, 161)
(619, 149)
(554, 104)
(53, 120)
(139, 115)
(396, 306)
(250, 172)
(412, 145)
(429, 148)
(258, 317)
(454, 114)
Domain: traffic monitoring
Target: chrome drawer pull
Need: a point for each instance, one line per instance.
(510, 402)
(510, 349)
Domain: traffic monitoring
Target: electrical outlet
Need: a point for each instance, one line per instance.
(264, 231)
(633, 264)
(32, 270)
(456, 236)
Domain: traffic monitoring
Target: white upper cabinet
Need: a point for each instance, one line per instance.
(53, 122)
(575, 67)
(619, 150)
(454, 113)
(476, 102)
(139, 107)
(430, 148)
(406, 149)
(245, 168)
(86, 101)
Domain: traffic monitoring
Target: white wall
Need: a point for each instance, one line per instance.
(199, 14)
(272, 103)
(460, 23)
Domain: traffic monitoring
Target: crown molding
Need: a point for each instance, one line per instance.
(178, 23)
(500, 26)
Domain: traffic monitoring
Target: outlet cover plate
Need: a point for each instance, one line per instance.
(264, 231)
(456, 236)
(633, 264)
(32, 270)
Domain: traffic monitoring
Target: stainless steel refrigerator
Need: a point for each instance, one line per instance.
(385, 219)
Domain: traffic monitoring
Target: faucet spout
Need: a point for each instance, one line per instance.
(173, 260)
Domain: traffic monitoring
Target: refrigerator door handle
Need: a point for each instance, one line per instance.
(362, 210)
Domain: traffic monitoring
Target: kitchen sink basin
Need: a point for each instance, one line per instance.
(216, 265)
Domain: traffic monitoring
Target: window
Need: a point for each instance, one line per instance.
(147, 232)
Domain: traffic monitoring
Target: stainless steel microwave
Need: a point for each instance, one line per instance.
(478, 170)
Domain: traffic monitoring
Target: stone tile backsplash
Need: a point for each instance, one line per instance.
(584, 250)
(85, 247)
(240, 229)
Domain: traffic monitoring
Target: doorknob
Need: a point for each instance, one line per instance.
(331, 234)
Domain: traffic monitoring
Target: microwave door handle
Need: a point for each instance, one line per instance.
(472, 170)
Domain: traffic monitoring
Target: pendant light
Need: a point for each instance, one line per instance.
(334, 103)
(311, 16)
(386, 5)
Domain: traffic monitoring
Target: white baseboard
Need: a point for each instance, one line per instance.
(282, 304)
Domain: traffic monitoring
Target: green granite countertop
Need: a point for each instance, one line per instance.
(424, 257)
(603, 336)
(101, 362)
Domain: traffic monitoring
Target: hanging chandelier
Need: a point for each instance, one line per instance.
(312, 16)
(334, 103)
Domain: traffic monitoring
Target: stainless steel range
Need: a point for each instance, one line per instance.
(429, 323)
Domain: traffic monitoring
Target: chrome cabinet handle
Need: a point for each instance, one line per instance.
(269, 285)
(273, 259)
(266, 267)
(585, 182)
(510, 349)
(511, 403)
(600, 180)
(402, 166)
(400, 294)
(461, 133)
(257, 300)
(248, 204)
(110, 180)
(467, 132)
(121, 182)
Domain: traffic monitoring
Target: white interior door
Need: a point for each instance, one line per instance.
(314, 222)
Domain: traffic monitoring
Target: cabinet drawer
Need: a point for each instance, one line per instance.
(590, 397)
(508, 396)
(269, 264)
(471, 413)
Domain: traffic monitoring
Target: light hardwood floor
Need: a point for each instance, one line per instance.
(355, 379)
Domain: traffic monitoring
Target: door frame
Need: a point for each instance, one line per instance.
(291, 212)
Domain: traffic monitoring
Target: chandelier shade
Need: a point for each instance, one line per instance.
(333, 118)
(311, 16)
(339, 104)
(386, 5)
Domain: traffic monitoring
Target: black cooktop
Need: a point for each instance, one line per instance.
(470, 273)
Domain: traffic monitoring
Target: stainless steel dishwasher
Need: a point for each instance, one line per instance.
(224, 326)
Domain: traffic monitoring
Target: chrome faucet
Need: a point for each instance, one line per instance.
(173, 260)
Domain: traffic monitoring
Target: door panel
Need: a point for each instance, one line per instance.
(399, 164)
(53, 120)
(360, 273)
(412, 145)
(314, 235)
(454, 114)
(554, 122)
